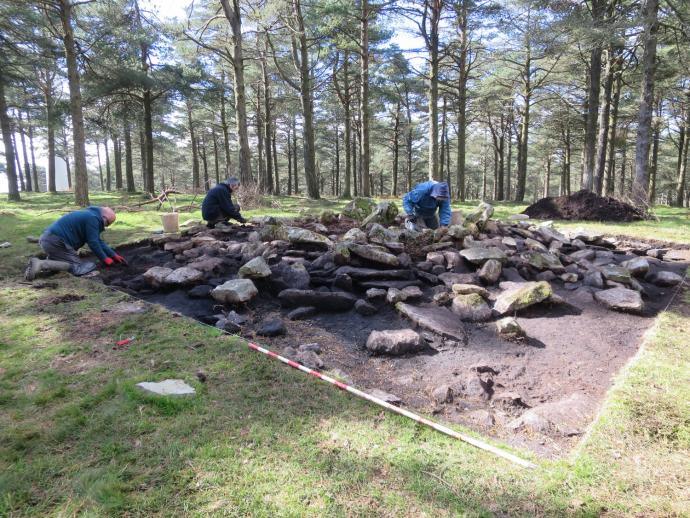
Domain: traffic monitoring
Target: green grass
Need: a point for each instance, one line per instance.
(259, 439)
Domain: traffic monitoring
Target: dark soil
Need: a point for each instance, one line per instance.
(573, 348)
(584, 205)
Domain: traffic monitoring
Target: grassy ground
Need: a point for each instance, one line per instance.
(259, 439)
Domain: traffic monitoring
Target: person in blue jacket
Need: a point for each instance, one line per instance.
(217, 206)
(61, 240)
(424, 202)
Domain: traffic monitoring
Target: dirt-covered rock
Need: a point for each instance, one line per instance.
(518, 296)
(394, 342)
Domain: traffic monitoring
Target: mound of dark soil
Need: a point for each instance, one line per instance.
(584, 205)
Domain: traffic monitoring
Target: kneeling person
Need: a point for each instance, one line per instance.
(218, 207)
(61, 240)
(423, 202)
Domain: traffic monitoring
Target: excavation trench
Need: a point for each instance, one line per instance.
(539, 392)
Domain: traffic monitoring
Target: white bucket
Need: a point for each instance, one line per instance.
(171, 222)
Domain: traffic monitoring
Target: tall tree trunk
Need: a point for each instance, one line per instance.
(224, 126)
(233, 14)
(215, 155)
(485, 160)
(345, 99)
(195, 156)
(260, 136)
(682, 173)
(432, 41)
(142, 152)
(204, 161)
(603, 123)
(276, 174)
(565, 175)
(611, 165)
(81, 178)
(337, 162)
(509, 160)
(34, 171)
(644, 121)
(408, 145)
(18, 164)
(547, 176)
(307, 105)
(621, 187)
(50, 115)
(268, 132)
(108, 178)
(396, 148)
(655, 155)
(65, 148)
(681, 166)
(117, 152)
(295, 170)
(462, 99)
(442, 151)
(522, 147)
(100, 165)
(364, 96)
(148, 175)
(592, 111)
(288, 148)
(129, 168)
(5, 123)
(25, 154)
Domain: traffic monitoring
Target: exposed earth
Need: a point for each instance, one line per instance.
(584, 205)
(315, 290)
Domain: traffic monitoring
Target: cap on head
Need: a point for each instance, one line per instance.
(108, 215)
(232, 181)
(440, 190)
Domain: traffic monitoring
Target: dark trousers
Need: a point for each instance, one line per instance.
(58, 250)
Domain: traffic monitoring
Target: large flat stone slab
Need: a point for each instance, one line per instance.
(436, 319)
(365, 274)
(322, 300)
(167, 387)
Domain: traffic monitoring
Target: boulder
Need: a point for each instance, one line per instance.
(295, 276)
(359, 208)
(200, 292)
(471, 307)
(394, 342)
(235, 291)
(275, 232)
(412, 292)
(490, 271)
(480, 215)
(521, 295)
(384, 213)
(355, 235)
(365, 274)
(533, 244)
(327, 217)
(169, 387)
(436, 319)
(450, 278)
(255, 269)
(324, 301)
(637, 266)
(615, 273)
(508, 327)
(177, 247)
(479, 255)
(376, 294)
(374, 254)
(620, 299)
(183, 276)
(156, 276)
(568, 416)
(594, 279)
(550, 234)
(543, 260)
(666, 278)
(303, 236)
(309, 359)
(206, 263)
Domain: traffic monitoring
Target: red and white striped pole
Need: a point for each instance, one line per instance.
(439, 427)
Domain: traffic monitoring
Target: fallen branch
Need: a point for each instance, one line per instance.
(161, 198)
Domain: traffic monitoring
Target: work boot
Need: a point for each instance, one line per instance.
(37, 266)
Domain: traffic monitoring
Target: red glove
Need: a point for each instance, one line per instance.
(108, 261)
(119, 259)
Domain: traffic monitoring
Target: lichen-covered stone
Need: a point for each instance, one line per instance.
(235, 291)
(359, 208)
(522, 295)
(304, 236)
(508, 327)
(621, 299)
(384, 213)
(255, 269)
(479, 255)
(490, 271)
(543, 260)
(355, 235)
(471, 307)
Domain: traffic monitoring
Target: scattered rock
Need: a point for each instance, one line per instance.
(168, 387)
(309, 359)
(183, 276)
(374, 253)
(355, 235)
(200, 292)
(594, 279)
(395, 342)
(271, 327)
(365, 308)
(307, 237)
(666, 278)
(385, 396)
(442, 394)
(479, 255)
(471, 307)
(466, 289)
(313, 347)
(638, 266)
(508, 327)
(376, 294)
(543, 261)
(568, 416)
(490, 271)
(235, 291)
(6, 244)
(615, 273)
(302, 313)
(156, 275)
(254, 269)
(621, 299)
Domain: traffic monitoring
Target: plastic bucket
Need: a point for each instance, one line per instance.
(171, 222)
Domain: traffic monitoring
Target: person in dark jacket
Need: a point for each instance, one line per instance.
(423, 202)
(61, 240)
(218, 207)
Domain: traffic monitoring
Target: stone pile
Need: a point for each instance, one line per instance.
(476, 270)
